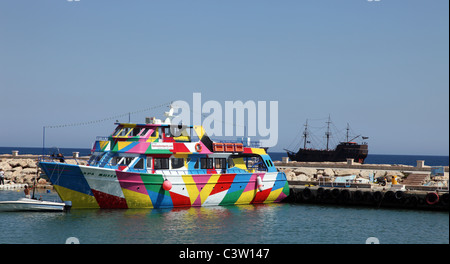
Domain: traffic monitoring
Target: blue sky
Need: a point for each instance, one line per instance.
(380, 66)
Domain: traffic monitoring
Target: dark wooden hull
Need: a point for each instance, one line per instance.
(342, 152)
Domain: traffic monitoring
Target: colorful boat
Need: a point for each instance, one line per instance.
(159, 165)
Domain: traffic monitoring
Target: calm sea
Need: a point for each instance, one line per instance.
(250, 224)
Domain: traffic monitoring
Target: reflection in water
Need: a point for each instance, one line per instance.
(181, 225)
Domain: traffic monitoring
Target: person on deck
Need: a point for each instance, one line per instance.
(27, 192)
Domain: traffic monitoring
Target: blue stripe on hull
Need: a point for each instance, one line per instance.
(66, 175)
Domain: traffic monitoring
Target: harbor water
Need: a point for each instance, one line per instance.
(249, 224)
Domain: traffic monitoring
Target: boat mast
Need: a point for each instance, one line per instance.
(328, 133)
(305, 134)
(348, 128)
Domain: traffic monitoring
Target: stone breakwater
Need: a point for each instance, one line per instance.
(23, 170)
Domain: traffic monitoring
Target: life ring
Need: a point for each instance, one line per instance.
(432, 198)
(198, 147)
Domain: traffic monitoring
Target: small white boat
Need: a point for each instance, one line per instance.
(26, 204)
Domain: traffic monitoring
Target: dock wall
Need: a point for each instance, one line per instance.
(370, 197)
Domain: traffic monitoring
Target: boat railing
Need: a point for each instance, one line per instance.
(251, 144)
(54, 158)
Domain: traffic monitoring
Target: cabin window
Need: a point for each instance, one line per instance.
(125, 131)
(116, 132)
(115, 160)
(149, 162)
(139, 165)
(154, 133)
(122, 161)
(161, 163)
(206, 163)
(167, 132)
(220, 163)
(122, 132)
(177, 163)
(230, 163)
(196, 166)
(261, 165)
(125, 161)
(95, 159)
(144, 132)
(135, 131)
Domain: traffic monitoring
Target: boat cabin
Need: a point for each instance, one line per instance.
(165, 148)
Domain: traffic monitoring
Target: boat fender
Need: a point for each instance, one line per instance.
(167, 185)
(326, 194)
(389, 196)
(377, 196)
(411, 201)
(306, 194)
(399, 195)
(368, 196)
(432, 198)
(444, 199)
(345, 196)
(259, 183)
(320, 191)
(358, 196)
(335, 193)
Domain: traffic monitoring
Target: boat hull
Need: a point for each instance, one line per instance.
(31, 205)
(340, 154)
(96, 187)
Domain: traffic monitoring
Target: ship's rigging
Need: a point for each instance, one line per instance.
(311, 138)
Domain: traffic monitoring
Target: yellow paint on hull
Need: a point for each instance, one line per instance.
(78, 199)
(137, 200)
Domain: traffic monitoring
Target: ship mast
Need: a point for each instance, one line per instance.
(348, 128)
(328, 133)
(305, 134)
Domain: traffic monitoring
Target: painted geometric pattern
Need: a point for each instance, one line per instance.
(93, 187)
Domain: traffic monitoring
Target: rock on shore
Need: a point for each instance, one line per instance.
(24, 171)
(311, 174)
